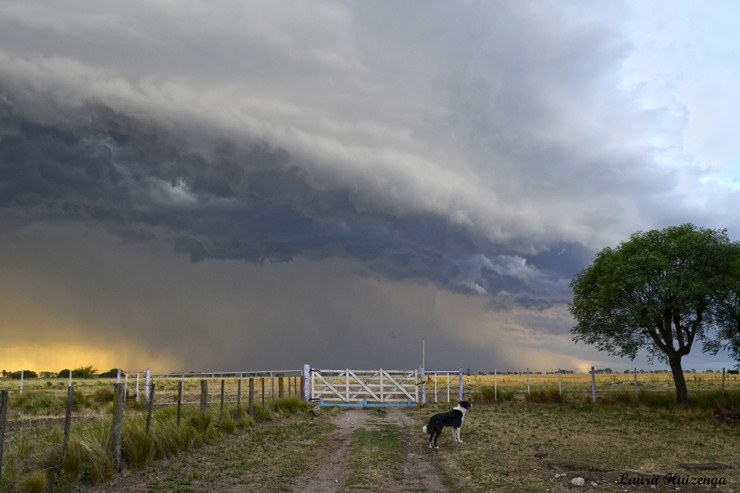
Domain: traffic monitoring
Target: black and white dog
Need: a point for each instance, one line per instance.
(453, 419)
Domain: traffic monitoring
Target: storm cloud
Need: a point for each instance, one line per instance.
(471, 156)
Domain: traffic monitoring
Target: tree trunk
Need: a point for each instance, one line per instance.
(682, 393)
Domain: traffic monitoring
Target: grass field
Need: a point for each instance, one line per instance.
(518, 446)
(527, 441)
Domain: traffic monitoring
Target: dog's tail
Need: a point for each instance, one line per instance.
(424, 429)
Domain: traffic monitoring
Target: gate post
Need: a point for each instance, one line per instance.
(423, 388)
(306, 383)
(461, 385)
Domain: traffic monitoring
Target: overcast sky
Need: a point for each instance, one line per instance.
(248, 185)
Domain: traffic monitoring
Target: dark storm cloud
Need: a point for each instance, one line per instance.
(238, 203)
(485, 150)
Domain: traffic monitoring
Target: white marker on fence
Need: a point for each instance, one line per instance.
(307, 382)
(118, 376)
(137, 386)
(461, 385)
(637, 393)
(70, 378)
(21, 381)
(560, 383)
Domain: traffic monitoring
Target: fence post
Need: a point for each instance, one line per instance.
(147, 383)
(495, 387)
(137, 386)
(149, 409)
(67, 420)
(305, 382)
(723, 382)
(251, 396)
(462, 384)
(560, 383)
(239, 392)
(221, 411)
(22, 382)
(593, 385)
(281, 387)
(3, 414)
(272, 387)
(528, 383)
(423, 387)
(637, 392)
(117, 426)
(263, 390)
(204, 396)
(180, 390)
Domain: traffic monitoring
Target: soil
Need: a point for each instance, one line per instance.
(330, 475)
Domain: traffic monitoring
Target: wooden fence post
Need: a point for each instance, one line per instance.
(251, 396)
(3, 414)
(149, 409)
(281, 387)
(723, 382)
(495, 387)
(272, 387)
(180, 391)
(221, 410)
(67, 420)
(204, 396)
(239, 393)
(116, 432)
(263, 391)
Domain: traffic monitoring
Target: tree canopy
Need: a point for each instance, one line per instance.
(660, 291)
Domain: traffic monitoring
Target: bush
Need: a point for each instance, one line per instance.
(262, 413)
(137, 447)
(484, 394)
(545, 396)
(103, 395)
(200, 423)
(16, 375)
(34, 482)
(226, 425)
(290, 405)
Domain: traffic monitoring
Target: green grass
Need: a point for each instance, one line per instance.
(376, 457)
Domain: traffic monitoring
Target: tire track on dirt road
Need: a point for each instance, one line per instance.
(330, 474)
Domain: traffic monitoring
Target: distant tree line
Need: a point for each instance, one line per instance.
(84, 372)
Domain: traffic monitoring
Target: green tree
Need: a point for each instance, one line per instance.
(658, 291)
(726, 310)
(84, 372)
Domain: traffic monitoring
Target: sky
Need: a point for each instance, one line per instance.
(258, 185)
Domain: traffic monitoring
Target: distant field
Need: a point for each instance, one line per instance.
(574, 387)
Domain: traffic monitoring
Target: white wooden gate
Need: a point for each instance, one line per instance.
(365, 388)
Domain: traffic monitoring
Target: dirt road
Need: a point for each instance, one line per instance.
(330, 473)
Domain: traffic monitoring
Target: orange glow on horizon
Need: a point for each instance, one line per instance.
(54, 358)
